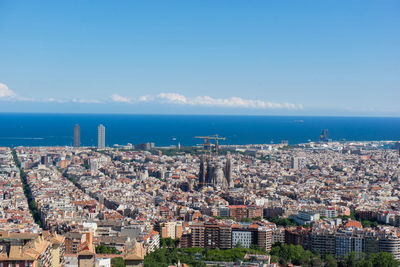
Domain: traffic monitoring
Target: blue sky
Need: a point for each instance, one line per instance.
(201, 57)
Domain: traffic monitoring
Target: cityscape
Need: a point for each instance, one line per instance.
(84, 206)
(188, 133)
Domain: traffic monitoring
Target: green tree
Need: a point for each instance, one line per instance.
(352, 260)
(283, 221)
(317, 262)
(169, 242)
(118, 262)
(238, 245)
(383, 259)
(103, 249)
(274, 259)
(254, 247)
(330, 261)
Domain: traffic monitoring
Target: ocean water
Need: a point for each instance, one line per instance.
(57, 129)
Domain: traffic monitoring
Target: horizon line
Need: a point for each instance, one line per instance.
(199, 114)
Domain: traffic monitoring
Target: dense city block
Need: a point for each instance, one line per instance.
(84, 205)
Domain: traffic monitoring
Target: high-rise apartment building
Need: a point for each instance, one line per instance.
(238, 212)
(323, 241)
(77, 135)
(197, 235)
(298, 163)
(170, 229)
(324, 137)
(264, 238)
(101, 136)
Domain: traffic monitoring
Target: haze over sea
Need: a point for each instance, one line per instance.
(17, 129)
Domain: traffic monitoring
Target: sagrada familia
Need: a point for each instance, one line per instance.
(214, 173)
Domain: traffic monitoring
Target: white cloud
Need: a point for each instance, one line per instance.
(173, 98)
(5, 92)
(167, 98)
(86, 101)
(51, 100)
(61, 101)
(118, 98)
(11, 96)
(233, 102)
(146, 98)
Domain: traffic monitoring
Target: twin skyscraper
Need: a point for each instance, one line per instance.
(101, 136)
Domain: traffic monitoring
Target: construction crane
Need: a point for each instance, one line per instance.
(207, 143)
(207, 147)
(216, 143)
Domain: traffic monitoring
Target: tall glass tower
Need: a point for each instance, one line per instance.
(77, 135)
(101, 136)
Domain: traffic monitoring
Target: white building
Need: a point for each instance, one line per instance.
(278, 235)
(241, 237)
(102, 262)
(298, 163)
(328, 212)
(306, 217)
(151, 241)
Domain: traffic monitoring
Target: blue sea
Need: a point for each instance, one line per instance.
(17, 129)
